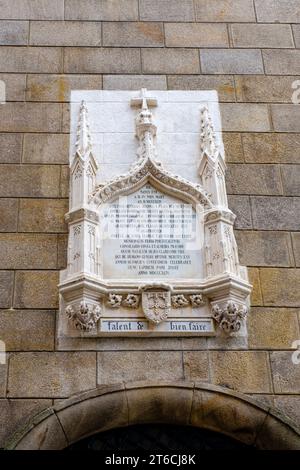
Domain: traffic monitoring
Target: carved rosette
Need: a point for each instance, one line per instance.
(85, 316)
(230, 317)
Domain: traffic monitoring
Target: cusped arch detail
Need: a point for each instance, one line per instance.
(183, 403)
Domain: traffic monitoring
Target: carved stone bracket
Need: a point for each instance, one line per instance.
(230, 317)
(84, 316)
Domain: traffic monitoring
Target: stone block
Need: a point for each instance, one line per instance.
(272, 328)
(296, 247)
(231, 61)
(3, 377)
(275, 435)
(30, 59)
(163, 10)
(253, 179)
(280, 287)
(271, 148)
(15, 86)
(196, 35)
(64, 181)
(27, 330)
(240, 206)
(296, 33)
(97, 60)
(116, 366)
(36, 289)
(51, 374)
(170, 61)
(281, 62)
(29, 181)
(224, 85)
(245, 117)
(14, 33)
(286, 377)
(32, 9)
(46, 148)
(106, 10)
(224, 10)
(6, 288)
(256, 295)
(290, 180)
(16, 413)
(9, 215)
(245, 371)
(260, 88)
(10, 148)
(62, 248)
(275, 213)
(196, 365)
(264, 248)
(276, 11)
(30, 117)
(43, 215)
(262, 35)
(48, 434)
(65, 33)
(26, 251)
(129, 34)
(286, 117)
(134, 82)
(289, 406)
(233, 147)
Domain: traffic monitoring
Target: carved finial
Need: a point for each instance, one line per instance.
(208, 137)
(144, 119)
(83, 141)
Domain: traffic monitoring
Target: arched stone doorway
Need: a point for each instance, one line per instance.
(185, 404)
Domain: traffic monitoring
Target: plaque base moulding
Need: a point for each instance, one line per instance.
(175, 272)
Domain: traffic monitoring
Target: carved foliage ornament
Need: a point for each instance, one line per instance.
(85, 316)
(229, 317)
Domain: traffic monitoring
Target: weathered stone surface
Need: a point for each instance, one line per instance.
(53, 374)
(256, 295)
(134, 82)
(170, 61)
(240, 206)
(58, 87)
(264, 248)
(9, 215)
(261, 88)
(62, 247)
(16, 413)
(246, 371)
(47, 434)
(275, 213)
(296, 247)
(43, 215)
(6, 288)
(30, 59)
(262, 35)
(116, 366)
(286, 377)
(289, 405)
(64, 181)
(275, 435)
(224, 10)
(106, 10)
(10, 148)
(163, 10)
(133, 34)
(272, 328)
(3, 378)
(196, 365)
(32, 9)
(280, 286)
(108, 60)
(286, 117)
(46, 148)
(27, 330)
(29, 181)
(30, 117)
(65, 33)
(23, 251)
(36, 289)
(14, 33)
(291, 180)
(276, 11)
(233, 147)
(196, 35)
(281, 62)
(224, 85)
(271, 148)
(253, 179)
(245, 117)
(237, 61)
(296, 33)
(15, 86)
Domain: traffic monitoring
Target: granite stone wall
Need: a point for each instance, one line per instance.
(249, 51)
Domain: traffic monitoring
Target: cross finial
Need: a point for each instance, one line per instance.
(143, 101)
